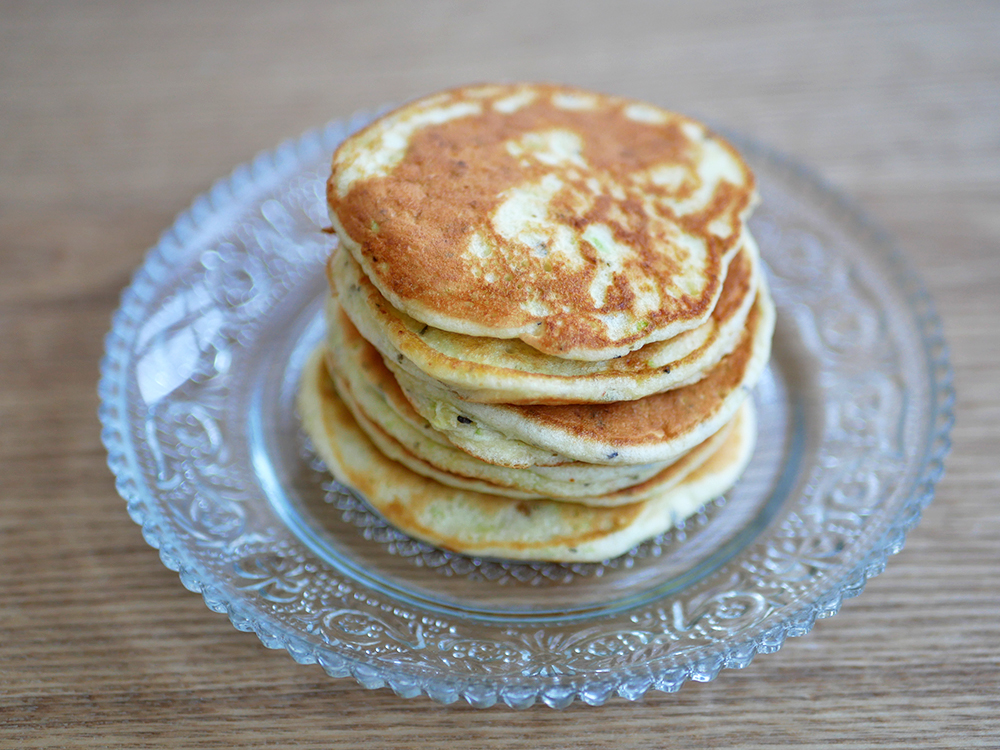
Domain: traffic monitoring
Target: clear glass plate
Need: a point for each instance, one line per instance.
(197, 406)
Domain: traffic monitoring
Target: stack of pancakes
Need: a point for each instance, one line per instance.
(546, 315)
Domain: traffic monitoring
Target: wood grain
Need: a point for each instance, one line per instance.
(114, 115)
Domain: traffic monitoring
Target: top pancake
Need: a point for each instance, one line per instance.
(583, 224)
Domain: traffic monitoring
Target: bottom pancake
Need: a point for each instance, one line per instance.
(485, 525)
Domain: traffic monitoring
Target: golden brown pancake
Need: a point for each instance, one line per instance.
(585, 225)
(371, 393)
(509, 371)
(547, 314)
(477, 523)
(654, 428)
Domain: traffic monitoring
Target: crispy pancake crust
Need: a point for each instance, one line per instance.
(585, 225)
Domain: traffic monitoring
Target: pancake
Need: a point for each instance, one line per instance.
(655, 428)
(585, 225)
(509, 371)
(480, 524)
(377, 404)
(469, 473)
(547, 314)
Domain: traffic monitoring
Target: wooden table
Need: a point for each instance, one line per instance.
(114, 115)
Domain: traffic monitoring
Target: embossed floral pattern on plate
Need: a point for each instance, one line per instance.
(197, 388)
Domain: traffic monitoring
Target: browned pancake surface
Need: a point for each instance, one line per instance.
(413, 226)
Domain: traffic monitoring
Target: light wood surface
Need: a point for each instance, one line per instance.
(114, 115)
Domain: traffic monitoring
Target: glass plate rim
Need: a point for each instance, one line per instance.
(628, 683)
